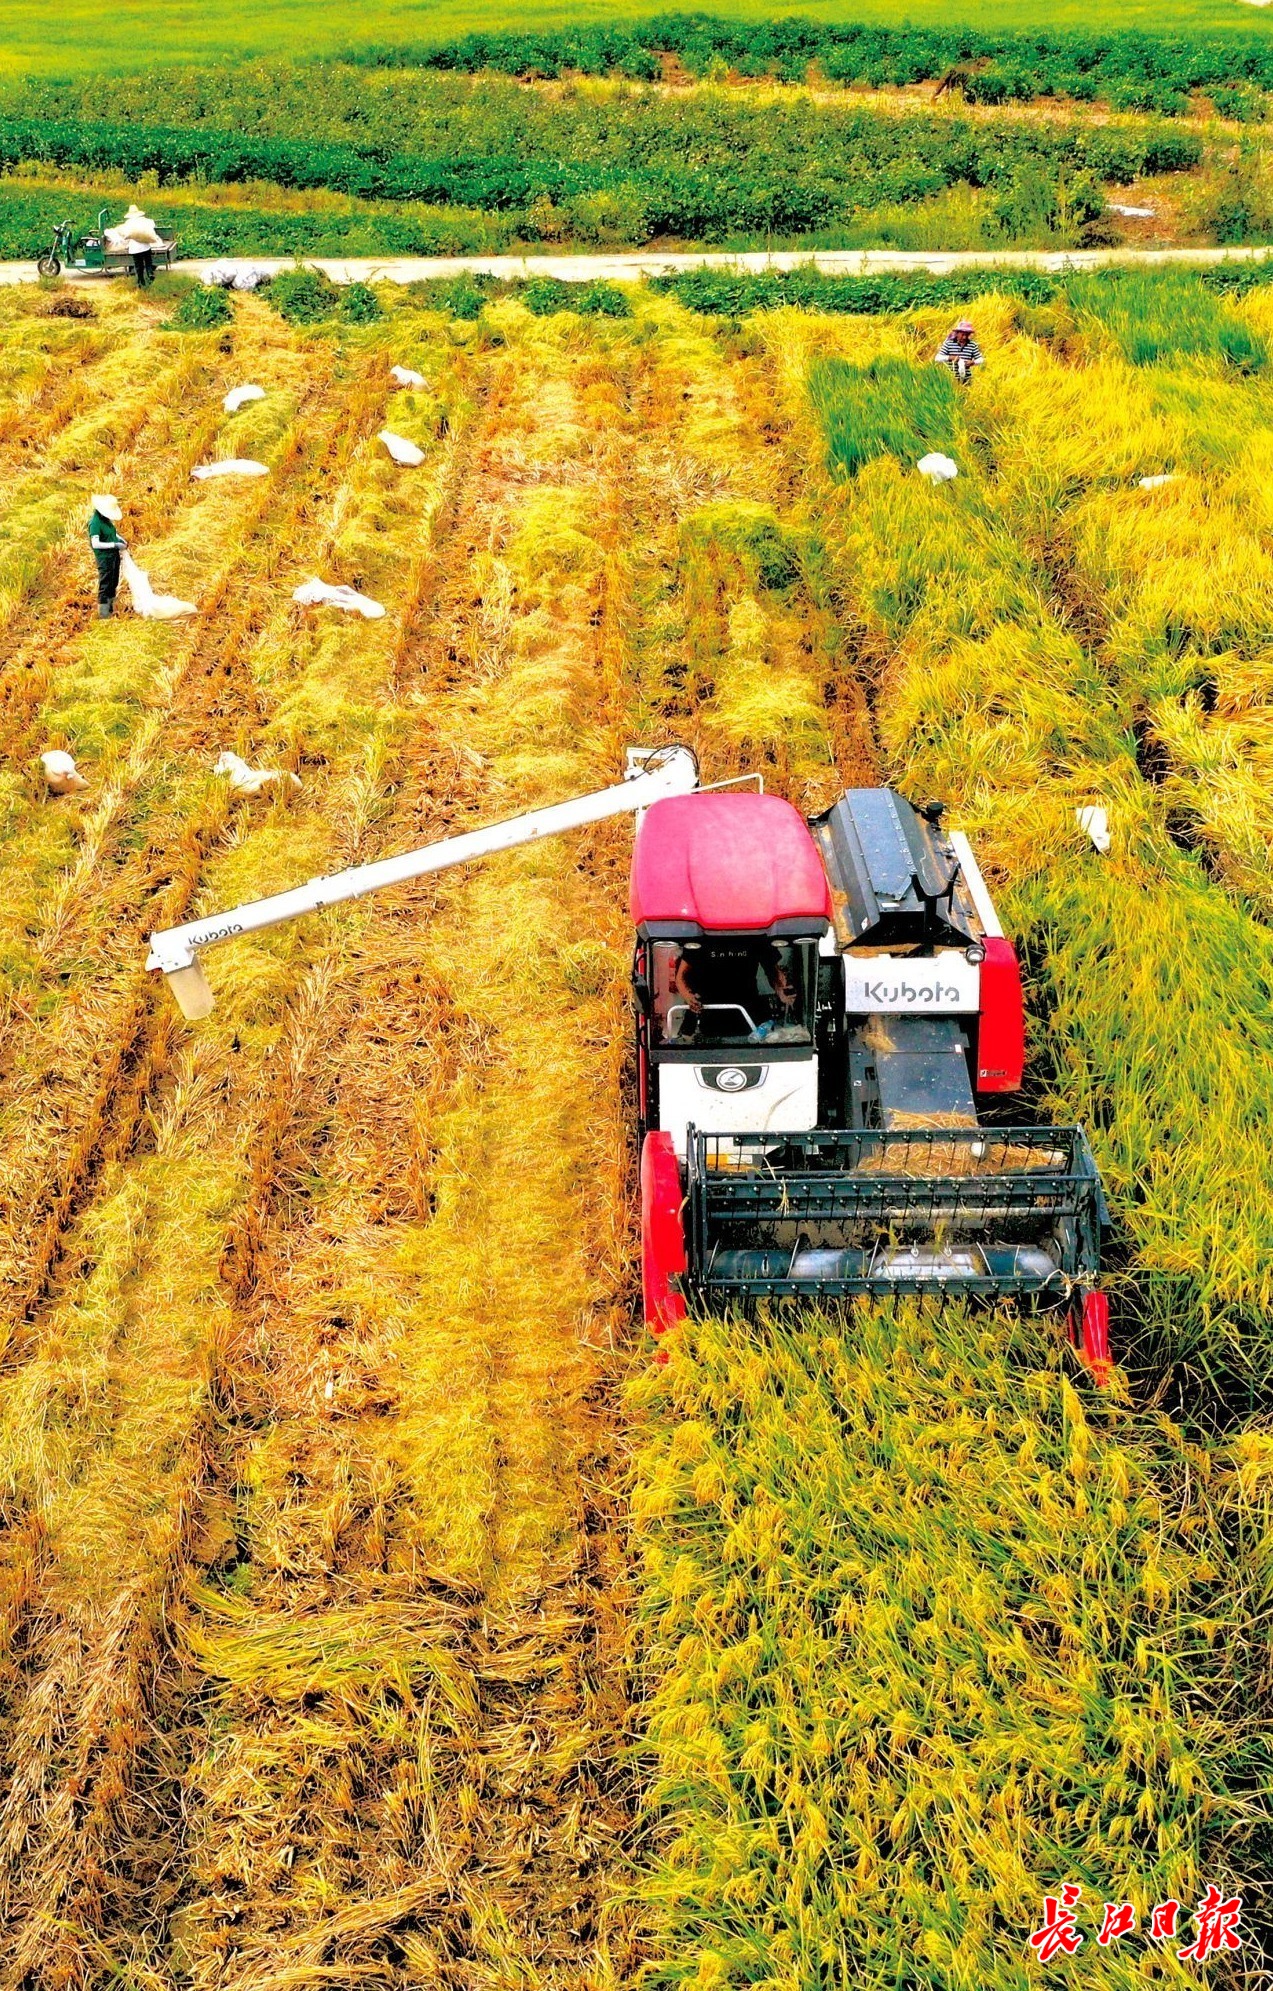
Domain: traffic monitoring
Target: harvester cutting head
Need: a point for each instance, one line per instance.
(822, 1008)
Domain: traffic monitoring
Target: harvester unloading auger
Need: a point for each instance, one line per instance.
(820, 1006)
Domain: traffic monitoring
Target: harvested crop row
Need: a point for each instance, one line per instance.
(48, 375)
(158, 790)
(398, 1706)
(729, 623)
(443, 1505)
(135, 1332)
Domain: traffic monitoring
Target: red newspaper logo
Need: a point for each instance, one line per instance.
(1216, 1919)
(1058, 1931)
(1217, 1926)
(1162, 1927)
(1120, 1920)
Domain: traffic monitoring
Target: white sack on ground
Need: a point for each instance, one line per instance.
(224, 276)
(246, 780)
(60, 772)
(400, 449)
(311, 593)
(1096, 823)
(937, 468)
(232, 466)
(238, 397)
(407, 376)
(1153, 483)
(157, 608)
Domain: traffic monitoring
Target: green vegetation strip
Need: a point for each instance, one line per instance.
(705, 167)
(733, 294)
(1132, 71)
(207, 229)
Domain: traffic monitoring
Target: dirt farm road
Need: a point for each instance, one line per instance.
(634, 264)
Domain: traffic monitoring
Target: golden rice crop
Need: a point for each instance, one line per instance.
(854, 1532)
(922, 1633)
(314, 1592)
(1039, 632)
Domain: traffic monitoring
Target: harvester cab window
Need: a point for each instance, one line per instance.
(709, 993)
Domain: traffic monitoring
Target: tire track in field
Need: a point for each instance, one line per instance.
(85, 1847)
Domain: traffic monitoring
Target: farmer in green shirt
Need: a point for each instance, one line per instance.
(108, 544)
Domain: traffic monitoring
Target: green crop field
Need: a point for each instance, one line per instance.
(85, 35)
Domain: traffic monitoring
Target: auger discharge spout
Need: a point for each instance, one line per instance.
(653, 775)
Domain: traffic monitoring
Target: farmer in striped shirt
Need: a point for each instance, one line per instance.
(960, 351)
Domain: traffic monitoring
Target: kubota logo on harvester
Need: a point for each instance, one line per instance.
(902, 992)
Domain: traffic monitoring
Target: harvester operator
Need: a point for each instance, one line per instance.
(760, 989)
(108, 545)
(960, 352)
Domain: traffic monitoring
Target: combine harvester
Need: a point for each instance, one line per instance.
(820, 1008)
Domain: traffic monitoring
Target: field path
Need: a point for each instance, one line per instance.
(629, 264)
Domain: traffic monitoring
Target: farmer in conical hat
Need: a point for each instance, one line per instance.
(108, 545)
(959, 351)
(142, 236)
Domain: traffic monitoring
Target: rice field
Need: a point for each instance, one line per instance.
(371, 1611)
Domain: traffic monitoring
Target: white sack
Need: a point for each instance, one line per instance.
(158, 608)
(1140, 213)
(61, 773)
(137, 228)
(245, 780)
(225, 276)
(1096, 823)
(311, 593)
(238, 397)
(1153, 483)
(232, 466)
(407, 377)
(937, 468)
(400, 449)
